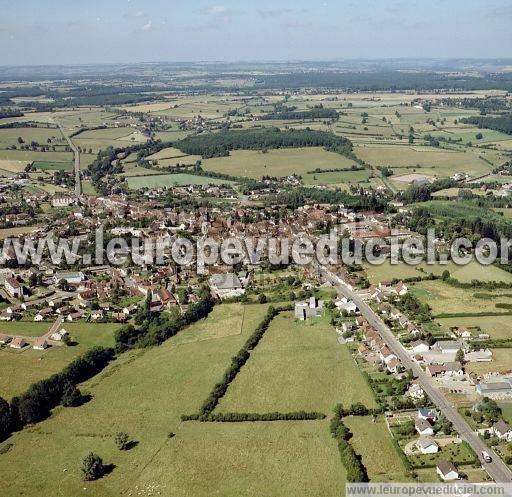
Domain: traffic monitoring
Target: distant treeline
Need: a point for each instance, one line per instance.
(220, 144)
(316, 113)
(385, 80)
(501, 123)
(6, 113)
(490, 104)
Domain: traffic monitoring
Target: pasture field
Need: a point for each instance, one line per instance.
(9, 136)
(170, 156)
(278, 162)
(297, 365)
(465, 274)
(498, 327)
(337, 178)
(13, 166)
(443, 298)
(423, 160)
(500, 363)
(373, 441)
(25, 328)
(38, 364)
(163, 180)
(177, 378)
(30, 156)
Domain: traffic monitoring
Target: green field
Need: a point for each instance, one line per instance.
(498, 327)
(165, 180)
(373, 441)
(443, 298)
(144, 393)
(303, 359)
(278, 162)
(54, 166)
(423, 160)
(37, 364)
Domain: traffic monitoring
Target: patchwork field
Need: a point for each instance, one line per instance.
(176, 377)
(279, 162)
(297, 366)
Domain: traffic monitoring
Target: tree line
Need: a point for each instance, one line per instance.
(501, 123)
(237, 362)
(41, 397)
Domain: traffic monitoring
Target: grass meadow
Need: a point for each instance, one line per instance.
(297, 365)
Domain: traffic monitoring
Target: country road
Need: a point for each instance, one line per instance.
(497, 469)
(76, 153)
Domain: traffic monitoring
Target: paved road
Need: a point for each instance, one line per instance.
(76, 153)
(497, 469)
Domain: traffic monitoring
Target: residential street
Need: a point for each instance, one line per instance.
(497, 469)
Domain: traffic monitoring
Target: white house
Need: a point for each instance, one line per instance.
(419, 347)
(423, 427)
(59, 335)
(447, 471)
(427, 446)
(502, 430)
(415, 391)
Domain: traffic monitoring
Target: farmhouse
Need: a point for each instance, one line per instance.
(40, 344)
(502, 430)
(18, 343)
(13, 287)
(226, 285)
(309, 309)
(447, 471)
(423, 427)
(4, 339)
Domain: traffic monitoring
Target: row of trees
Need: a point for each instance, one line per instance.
(291, 115)
(36, 403)
(501, 123)
(356, 472)
(154, 328)
(219, 390)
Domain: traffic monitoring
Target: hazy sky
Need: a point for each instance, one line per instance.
(88, 31)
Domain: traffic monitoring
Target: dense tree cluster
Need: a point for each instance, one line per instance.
(219, 144)
(500, 123)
